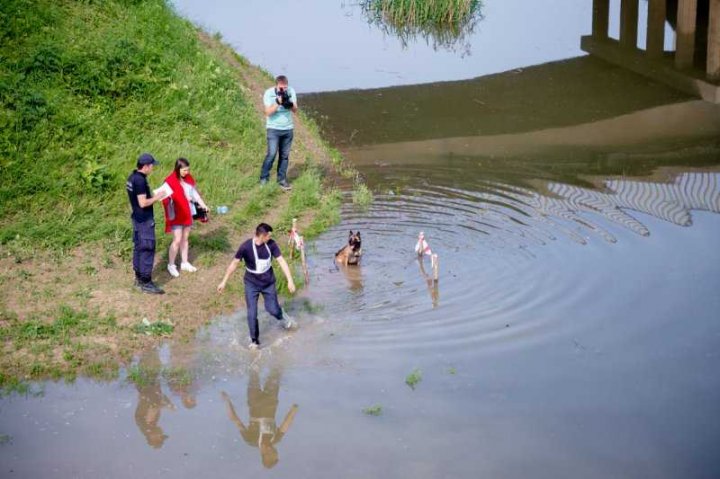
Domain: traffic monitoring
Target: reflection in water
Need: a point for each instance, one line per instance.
(353, 276)
(151, 400)
(448, 28)
(432, 285)
(519, 216)
(262, 431)
(181, 375)
(671, 202)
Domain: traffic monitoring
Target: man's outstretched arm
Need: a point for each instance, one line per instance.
(228, 272)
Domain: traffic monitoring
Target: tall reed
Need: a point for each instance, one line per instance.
(444, 22)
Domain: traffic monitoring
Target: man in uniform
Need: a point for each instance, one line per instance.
(141, 201)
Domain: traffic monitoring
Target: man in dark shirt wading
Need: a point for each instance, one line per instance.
(257, 253)
(141, 201)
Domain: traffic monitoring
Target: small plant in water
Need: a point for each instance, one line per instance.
(178, 376)
(413, 378)
(375, 410)
(362, 195)
(451, 370)
(142, 376)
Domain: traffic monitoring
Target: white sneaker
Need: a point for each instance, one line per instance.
(253, 346)
(288, 322)
(172, 269)
(188, 267)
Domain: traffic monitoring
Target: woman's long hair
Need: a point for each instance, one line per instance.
(180, 163)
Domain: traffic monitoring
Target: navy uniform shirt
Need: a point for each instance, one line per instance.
(245, 254)
(137, 184)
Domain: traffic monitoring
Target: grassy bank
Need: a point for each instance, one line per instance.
(85, 87)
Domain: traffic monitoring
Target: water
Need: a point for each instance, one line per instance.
(573, 331)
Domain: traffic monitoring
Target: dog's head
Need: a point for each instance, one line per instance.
(355, 242)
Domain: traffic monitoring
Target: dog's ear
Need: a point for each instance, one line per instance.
(351, 233)
(358, 234)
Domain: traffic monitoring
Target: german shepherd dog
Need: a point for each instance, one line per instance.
(350, 253)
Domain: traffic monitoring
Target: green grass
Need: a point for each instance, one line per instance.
(61, 346)
(10, 385)
(155, 328)
(143, 375)
(68, 325)
(85, 87)
(414, 378)
(361, 195)
(178, 376)
(375, 410)
(445, 23)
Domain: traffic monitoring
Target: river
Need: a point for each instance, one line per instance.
(573, 331)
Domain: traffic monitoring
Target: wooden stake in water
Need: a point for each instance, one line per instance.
(296, 242)
(435, 266)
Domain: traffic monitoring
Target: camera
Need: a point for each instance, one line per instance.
(283, 98)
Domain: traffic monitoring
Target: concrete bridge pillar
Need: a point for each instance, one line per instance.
(656, 28)
(713, 49)
(629, 23)
(601, 14)
(686, 25)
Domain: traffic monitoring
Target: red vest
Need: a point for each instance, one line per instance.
(181, 205)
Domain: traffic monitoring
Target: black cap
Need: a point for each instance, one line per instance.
(146, 159)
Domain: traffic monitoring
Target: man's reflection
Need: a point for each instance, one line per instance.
(151, 399)
(261, 431)
(181, 377)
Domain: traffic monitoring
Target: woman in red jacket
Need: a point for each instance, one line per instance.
(180, 207)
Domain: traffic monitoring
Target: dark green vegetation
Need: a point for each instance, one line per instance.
(445, 23)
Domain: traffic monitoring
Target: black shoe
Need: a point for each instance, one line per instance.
(151, 288)
(284, 185)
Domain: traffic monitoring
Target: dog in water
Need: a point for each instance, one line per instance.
(350, 253)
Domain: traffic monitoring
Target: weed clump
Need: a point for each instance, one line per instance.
(414, 378)
(375, 410)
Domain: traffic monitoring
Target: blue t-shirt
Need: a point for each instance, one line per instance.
(245, 253)
(282, 119)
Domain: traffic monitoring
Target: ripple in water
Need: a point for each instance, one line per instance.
(504, 250)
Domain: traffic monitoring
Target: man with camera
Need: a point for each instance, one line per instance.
(280, 104)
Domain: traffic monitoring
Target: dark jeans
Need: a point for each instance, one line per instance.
(144, 249)
(277, 140)
(252, 293)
